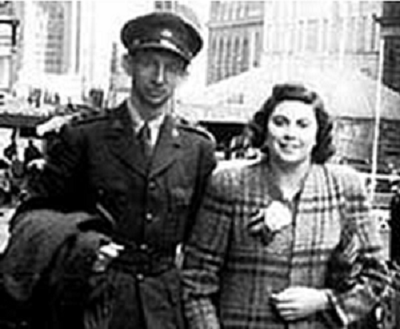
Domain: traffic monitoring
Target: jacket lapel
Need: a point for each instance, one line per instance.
(167, 147)
(316, 225)
(122, 142)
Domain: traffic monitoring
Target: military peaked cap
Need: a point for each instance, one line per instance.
(162, 30)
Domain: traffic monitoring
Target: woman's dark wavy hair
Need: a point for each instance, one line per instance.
(324, 148)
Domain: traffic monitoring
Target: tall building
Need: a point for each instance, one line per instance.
(51, 35)
(323, 33)
(247, 34)
(390, 31)
(235, 38)
(179, 8)
(8, 36)
(49, 53)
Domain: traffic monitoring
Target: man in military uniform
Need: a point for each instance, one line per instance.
(140, 173)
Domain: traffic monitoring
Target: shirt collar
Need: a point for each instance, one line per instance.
(138, 121)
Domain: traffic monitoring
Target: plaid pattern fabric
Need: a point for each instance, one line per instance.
(333, 243)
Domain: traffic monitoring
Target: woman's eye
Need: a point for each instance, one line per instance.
(303, 123)
(279, 121)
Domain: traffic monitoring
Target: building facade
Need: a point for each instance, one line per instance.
(8, 35)
(243, 35)
(390, 32)
(49, 56)
(324, 33)
(235, 38)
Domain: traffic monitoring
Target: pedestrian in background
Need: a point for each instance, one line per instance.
(31, 152)
(139, 172)
(11, 150)
(286, 241)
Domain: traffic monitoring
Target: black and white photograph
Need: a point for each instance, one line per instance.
(200, 164)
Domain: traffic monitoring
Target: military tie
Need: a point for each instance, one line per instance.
(145, 140)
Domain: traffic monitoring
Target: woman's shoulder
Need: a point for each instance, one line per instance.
(235, 168)
(233, 175)
(341, 169)
(346, 176)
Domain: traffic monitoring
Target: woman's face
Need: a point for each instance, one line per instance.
(291, 132)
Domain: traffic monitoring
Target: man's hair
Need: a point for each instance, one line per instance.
(324, 148)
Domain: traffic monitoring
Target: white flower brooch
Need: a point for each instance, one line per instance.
(268, 221)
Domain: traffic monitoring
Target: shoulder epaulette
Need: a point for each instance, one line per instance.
(88, 117)
(196, 128)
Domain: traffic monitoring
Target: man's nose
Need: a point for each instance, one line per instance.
(160, 73)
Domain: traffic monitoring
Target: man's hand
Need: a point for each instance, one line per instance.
(295, 303)
(105, 255)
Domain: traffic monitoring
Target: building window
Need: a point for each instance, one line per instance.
(237, 60)
(254, 8)
(312, 36)
(221, 56)
(374, 36)
(257, 49)
(228, 59)
(325, 36)
(163, 5)
(245, 57)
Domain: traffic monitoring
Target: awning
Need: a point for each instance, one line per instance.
(346, 92)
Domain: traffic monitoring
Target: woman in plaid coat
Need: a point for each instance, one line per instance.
(286, 241)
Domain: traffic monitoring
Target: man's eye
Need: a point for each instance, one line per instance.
(145, 61)
(174, 67)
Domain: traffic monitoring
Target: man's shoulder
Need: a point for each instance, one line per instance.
(90, 118)
(193, 128)
(55, 124)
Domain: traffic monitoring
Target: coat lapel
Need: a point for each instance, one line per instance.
(167, 147)
(316, 225)
(122, 142)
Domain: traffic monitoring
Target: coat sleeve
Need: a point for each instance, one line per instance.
(56, 185)
(205, 166)
(359, 278)
(205, 254)
(33, 244)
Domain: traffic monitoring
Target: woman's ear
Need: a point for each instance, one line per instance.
(127, 64)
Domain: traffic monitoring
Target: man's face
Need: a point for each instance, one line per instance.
(155, 74)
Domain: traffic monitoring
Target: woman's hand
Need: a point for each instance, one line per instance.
(296, 303)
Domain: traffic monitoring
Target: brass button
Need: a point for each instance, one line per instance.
(140, 276)
(152, 185)
(149, 216)
(143, 247)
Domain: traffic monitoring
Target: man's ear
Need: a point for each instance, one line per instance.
(127, 64)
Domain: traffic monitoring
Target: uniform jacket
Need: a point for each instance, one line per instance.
(96, 165)
(229, 273)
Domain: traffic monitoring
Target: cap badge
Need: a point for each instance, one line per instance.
(175, 133)
(136, 42)
(166, 33)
